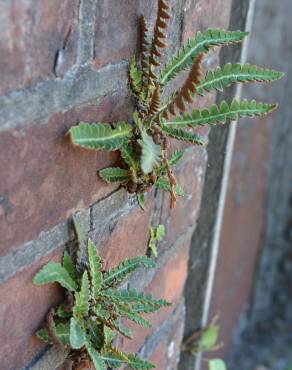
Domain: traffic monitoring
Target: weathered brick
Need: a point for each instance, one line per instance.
(23, 309)
(120, 236)
(117, 27)
(44, 179)
(168, 283)
(191, 177)
(31, 35)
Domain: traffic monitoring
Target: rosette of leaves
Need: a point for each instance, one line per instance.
(144, 141)
(85, 326)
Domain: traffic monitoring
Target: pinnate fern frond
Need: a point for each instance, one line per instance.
(95, 356)
(220, 78)
(132, 296)
(155, 102)
(144, 49)
(95, 269)
(116, 275)
(100, 135)
(175, 158)
(81, 306)
(164, 184)
(130, 157)
(77, 334)
(220, 114)
(127, 312)
(115, 174)
(194, 47)
(55, 273)
(183, 135)
(186, 94)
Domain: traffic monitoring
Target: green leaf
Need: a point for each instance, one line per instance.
(217, 364)
(132, 296)
(53, 272)
(138, 363)
(163, 183)
(62, 331)
(126, 311)
(109, 336)
(135, 77)
(180, 134)
(126, 332)
(221, 114)
(160, 232)
(175, 158)
(96, 358)
(115, 174)
(200, 44)
(151, 153)
(95, 269)
(81, 245)
(141, 200)
(81, 306)
(101, 135)
(77, 334)
(130, 157)
(117, 274)
(62, 313)
(209, 338)
(69, 266)
(153, 248)
(220, 78)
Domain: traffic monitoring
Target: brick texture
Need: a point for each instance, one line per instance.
(62, 63)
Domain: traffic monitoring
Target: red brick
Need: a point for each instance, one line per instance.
(191, 178)
(44, 179)
(128, 237)
(23, 308)
(159, 357)
(31, 33)
(168, 284)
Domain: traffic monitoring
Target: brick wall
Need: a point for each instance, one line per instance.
(63, 62)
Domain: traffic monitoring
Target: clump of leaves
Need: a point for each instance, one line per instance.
(204, 341)
(156, 236)
(86, 325)
(144, 141)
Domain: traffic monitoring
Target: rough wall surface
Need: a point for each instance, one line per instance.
(62, 63)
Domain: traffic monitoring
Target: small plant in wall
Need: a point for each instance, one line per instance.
(85, 326)
(144, 141)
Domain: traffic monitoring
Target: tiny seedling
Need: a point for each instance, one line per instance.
(155, 237)
(204, 341)
(144, 141)
(85, 326)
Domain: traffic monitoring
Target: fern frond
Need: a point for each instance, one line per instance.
(151, 153)
(135, 77)
(183, 135)
(155, 102)
(220, 78)
(95, 356)
(77, 334)
(127, 312)
(117, 274)
(100, 135)
(119, 327)
(95, 269)
(188, 90)
(220, 114)
(175, 158)
(130, 157)
(69, 266)
(114, 174)
(55, 273)
(132, 296)
(144, 49)
(138, 363)
(200, 44)
(158, 40)
(164, 184)
(81, 306)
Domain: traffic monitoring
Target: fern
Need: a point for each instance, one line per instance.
(115, 174)
(88, 322)
(100, 136)
(235, 73)
(144, 141)
(194, 47)
(221, 114)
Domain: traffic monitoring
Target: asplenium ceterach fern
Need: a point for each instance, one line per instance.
(143, 142)
(86, 325)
